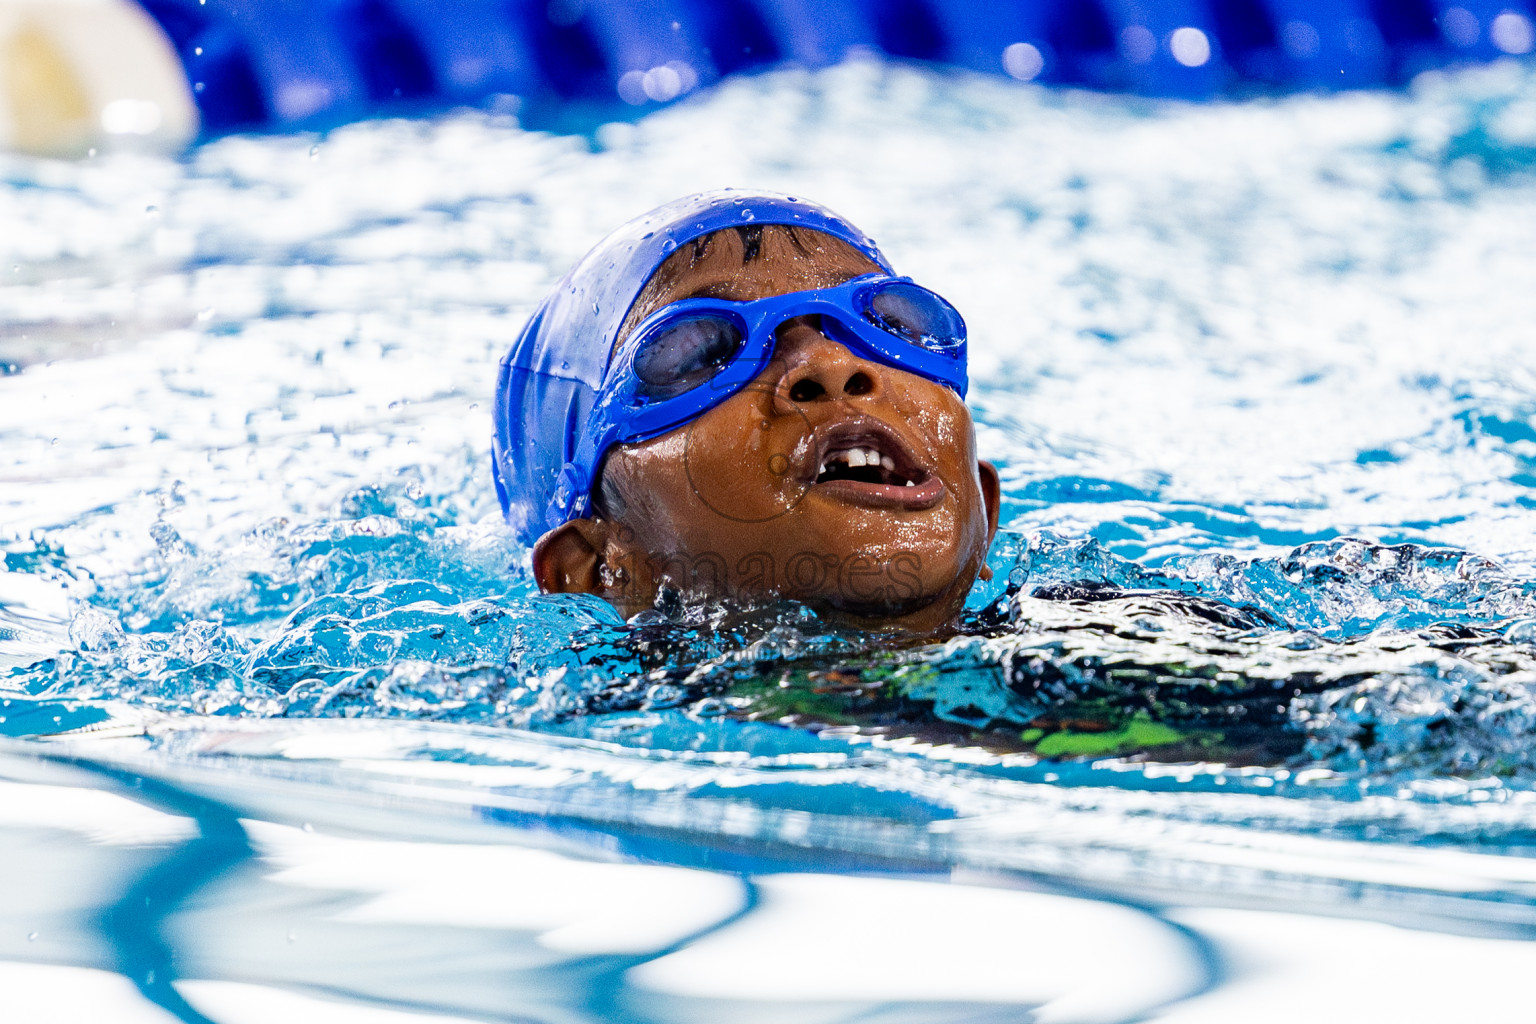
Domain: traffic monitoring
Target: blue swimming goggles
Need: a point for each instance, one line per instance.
(691, 355)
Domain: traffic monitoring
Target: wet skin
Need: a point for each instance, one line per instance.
(758, 497)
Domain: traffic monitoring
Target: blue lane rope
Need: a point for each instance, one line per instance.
(281, 64)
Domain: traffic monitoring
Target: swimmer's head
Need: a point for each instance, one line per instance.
(648, 438)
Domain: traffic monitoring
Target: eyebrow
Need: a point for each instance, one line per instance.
(714, 290)
(723, 289)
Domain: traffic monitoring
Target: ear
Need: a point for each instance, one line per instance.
(992, 497)
(567, 559)
(991, 494)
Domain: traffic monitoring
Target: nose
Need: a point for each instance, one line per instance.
(818, 369)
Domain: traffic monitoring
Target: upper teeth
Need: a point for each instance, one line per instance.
(862, 457)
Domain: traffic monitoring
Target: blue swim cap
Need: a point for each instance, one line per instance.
(551, 377)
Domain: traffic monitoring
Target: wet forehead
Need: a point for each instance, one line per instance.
(717, 267)
(780, 266)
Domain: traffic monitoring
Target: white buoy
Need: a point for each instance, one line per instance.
(78, 75)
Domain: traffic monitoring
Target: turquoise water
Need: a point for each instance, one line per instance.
(1257, 376)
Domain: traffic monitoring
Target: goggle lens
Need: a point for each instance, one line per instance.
(686, 354)
(916, 315)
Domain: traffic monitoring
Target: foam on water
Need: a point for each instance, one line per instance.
(1255, 375)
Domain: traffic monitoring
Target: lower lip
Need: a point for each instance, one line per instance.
(915, 498)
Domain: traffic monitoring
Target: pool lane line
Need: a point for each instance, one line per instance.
(606, 986)
(132, 926)
(1202, 951)
(668, 847)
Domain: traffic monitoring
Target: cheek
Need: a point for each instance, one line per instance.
(742, 464)
(654, 491)
(717, 479)
(945, 424)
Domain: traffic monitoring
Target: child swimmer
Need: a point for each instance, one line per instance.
(734, 397)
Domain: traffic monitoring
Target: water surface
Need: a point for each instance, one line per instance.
(1256, 375)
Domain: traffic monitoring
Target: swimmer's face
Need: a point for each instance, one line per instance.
(763, 496)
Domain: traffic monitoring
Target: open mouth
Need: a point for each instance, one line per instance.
(865, 464)
(868, 464)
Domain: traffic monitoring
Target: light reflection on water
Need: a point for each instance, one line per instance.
(244, 473)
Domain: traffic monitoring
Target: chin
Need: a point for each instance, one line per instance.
(897, 589)
(928, 617)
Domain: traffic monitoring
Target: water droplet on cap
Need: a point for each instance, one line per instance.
(668, 246)
(748, 215)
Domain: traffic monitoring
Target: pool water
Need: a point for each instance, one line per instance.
(1262, 630)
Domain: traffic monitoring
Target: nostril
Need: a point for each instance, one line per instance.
(806, 390)
(859, 384)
